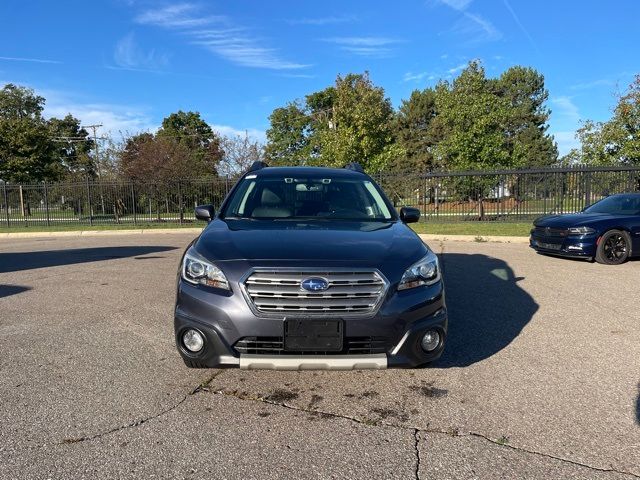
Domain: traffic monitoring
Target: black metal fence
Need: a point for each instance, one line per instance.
(509, 195)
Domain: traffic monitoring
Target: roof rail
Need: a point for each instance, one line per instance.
(355, 166)
(257, 165)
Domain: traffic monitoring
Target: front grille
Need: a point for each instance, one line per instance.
(551, 232)
(275, 346)
(349, 292)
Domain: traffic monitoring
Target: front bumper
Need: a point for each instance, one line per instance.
(224, 318)
(578, 247)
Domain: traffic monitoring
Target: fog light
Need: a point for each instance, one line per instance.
(430, 341)
(192, 340)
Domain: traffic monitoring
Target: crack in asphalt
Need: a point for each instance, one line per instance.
(416, 446)
(202, 387)
(453, 432)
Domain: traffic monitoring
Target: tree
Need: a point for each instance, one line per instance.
(415, 132)
(472, 119)
(360, 128)
(616, 141)
(240, 151)
(288, 137)
(26, 150)
(72, 146)
(527, 115)
(191, 131)
(351, 121)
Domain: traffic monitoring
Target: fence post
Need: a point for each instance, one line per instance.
(180, 206)
(89, 202)
(587, 189)
(6, 202)
(133, 204)
(46, 203)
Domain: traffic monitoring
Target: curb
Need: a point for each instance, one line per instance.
(473, 238)
(196, 231)
(101, 233)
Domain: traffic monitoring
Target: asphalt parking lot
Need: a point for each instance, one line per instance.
(541, 378)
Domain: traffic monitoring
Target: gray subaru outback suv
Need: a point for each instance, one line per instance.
(309, 268)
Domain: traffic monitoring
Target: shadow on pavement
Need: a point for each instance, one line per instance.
(638, 406)
(15, 262)
(487, 308)
(8, 290)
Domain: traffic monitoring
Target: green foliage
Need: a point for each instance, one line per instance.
(471, 117)
(189, 130)
(26, 152)
(289, 136)
(493, 123)
(360, 125)
(74, 152)
(31, 148)
(473, 122)
(415, 132)
(351, 121)
(616, 141)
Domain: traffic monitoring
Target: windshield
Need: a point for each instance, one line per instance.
(307, 198)
(617, 205)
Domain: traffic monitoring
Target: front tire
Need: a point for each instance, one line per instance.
(614, 248)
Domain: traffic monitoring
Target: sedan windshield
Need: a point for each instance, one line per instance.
(617, 205)
(292, 198)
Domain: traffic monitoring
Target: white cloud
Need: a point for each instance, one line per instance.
(115, 118)
(471, 24)
(229, 131)
(129, 55)
(365, 46)
(457, 68)
(417, 77)
(33, 60)
(218, 35)
(520, 25)
(457, 4)
(566, 109)
(603, 82)
(565, 116)
(181, 15)
(322, 21)
(566, 141)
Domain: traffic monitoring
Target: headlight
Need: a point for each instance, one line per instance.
(425, 272)
(581, 231)
(197, 270)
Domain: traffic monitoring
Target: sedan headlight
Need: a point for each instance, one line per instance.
(581, 231)
(197, 270)
(425, 272)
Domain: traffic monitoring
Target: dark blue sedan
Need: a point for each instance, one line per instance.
(607, 231)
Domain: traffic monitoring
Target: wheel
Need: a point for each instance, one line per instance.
(193, 364)
(613, 248)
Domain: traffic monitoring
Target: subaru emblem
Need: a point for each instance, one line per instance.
(314, 284)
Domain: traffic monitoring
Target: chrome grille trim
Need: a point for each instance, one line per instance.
(352, 292)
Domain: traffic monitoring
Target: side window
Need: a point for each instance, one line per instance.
(243, 203)
(379, 206)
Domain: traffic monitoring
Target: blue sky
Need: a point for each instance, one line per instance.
(127, 64)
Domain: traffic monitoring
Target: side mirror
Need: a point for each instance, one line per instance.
(205, 212)
(409, 214)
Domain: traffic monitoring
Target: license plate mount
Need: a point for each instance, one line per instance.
(314, 335)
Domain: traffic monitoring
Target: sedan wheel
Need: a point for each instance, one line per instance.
(613, 248)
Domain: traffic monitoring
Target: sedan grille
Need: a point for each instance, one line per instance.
(350, 292)
(551, 232)
(275, 346)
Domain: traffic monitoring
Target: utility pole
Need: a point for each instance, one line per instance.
(96, 148)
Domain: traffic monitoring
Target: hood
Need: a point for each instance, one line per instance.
(571, 220)
(369, 243)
